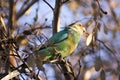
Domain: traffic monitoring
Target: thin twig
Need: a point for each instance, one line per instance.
(20, 13)
(113, 52)
(49, 5)
(78, 71)
(104, 12)
(105, 46)
(65, 1)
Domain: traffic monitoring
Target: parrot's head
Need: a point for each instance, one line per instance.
(78, 27)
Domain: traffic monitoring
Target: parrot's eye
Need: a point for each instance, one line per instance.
(83, 30)
(79, 24)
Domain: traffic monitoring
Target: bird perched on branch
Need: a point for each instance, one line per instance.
(63, 43)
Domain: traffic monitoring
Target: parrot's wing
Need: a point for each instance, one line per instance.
(58, 37)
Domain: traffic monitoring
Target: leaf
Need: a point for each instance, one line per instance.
(73, 5)
(97, 64)
(3, 23)
(98, 26)
(118, 68)
(89, 39)
(89, 23)
(21, 40)
(102, 75)
(105, 29)
(27, 32)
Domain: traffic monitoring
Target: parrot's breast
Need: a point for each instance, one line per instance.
(66, 47)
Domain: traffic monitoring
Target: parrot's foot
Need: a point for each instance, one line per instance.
(64, 65)
(57, 58)
(68, 66)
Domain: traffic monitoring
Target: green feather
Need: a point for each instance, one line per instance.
(59, 37)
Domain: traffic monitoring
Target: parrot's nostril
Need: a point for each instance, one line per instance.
(84, 30)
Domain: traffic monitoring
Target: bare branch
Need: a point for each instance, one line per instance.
(77, 77)
(49, 5)
(65, 1)
(11, 20)
(11, 75)
(104, 12)
(56, 20)
(65, 67)
(11, 27)
(20, 13)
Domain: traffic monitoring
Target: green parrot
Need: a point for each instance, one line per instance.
(63, 43)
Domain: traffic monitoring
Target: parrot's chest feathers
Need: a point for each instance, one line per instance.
(71, 44)
(73, 41)
(75, 36)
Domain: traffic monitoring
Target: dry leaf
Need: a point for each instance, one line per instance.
(27, 32)
(89, 39)
(89, 23)
(102, 75)
(105, 29)
(118, 68)
(98, 26)
(3, 23)
(73, 5)
(97, 64)
(113, 4)
(119, 77)
(21, 40)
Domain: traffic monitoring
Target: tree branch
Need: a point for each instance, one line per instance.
(56, 20)
(11, 20)
(11, 27)
(65, 1)
(21, 13)
(49, 5)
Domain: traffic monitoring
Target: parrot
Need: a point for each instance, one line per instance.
(63, 43)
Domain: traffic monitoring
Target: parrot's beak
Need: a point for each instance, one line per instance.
(84, 30)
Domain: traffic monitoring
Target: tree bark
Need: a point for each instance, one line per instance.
(56, 20)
